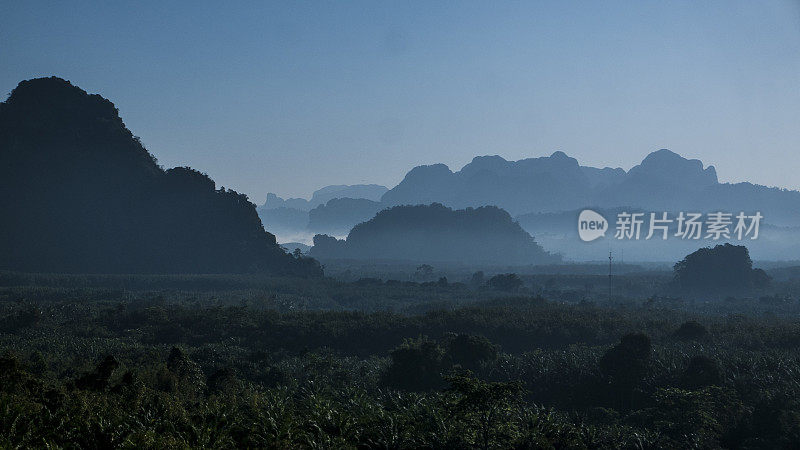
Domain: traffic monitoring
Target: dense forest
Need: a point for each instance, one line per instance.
(223, 361)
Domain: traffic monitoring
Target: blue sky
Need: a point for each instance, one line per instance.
(287, 97)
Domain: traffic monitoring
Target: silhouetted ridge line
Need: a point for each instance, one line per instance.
(664, 181)
(430, 233)
(81, 194)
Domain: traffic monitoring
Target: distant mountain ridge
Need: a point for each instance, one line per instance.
(331, 210)
(324, 195)
(664, 181)
(79, 193)
(339, 215)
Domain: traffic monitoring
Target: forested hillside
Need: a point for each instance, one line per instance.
(434, 232)
(81, 194)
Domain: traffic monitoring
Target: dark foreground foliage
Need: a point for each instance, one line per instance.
(211, 367)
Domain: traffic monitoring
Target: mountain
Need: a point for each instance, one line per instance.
(666, 168)
(331, 210)
(81, 194)
(603, 178)
(275, 202)
(340, 215)
(664, 181)
(323, 195)
(436, 233)
(534, 184)
(372, 192)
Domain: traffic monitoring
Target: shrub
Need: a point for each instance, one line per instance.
(702, 371)
(506, 282)
(690, 331)
(626, 364)
(416, 365)
(470, 351)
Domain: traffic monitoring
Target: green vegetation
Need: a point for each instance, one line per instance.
(251, 361)
(722, 270)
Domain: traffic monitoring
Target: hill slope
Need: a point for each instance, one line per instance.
(435, 233)
(81, 194)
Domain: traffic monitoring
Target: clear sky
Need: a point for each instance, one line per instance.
(290, 96)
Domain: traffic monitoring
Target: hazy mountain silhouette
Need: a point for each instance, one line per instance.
(324, 195)
(275, 202)
(340, 215)
(81, 194)
(331, 210)
(664, 181)
(535, 184)
(372, 192)
(435, 233)
(547, 193)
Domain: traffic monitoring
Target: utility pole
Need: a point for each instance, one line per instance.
(610, 279)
